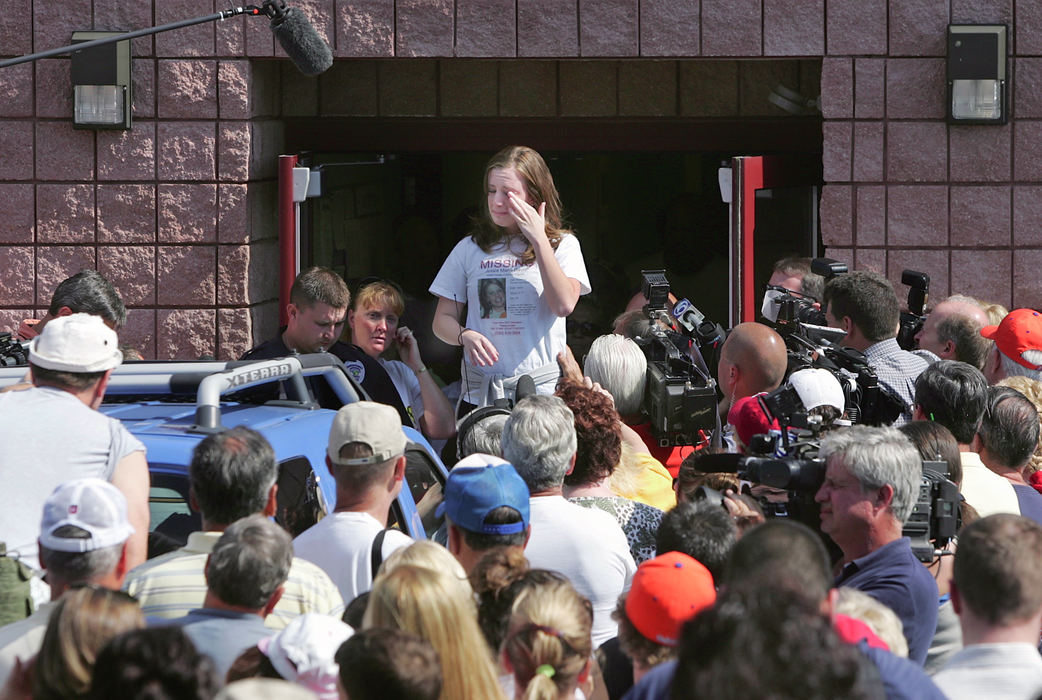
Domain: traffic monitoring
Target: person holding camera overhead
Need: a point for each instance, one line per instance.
(519, 273)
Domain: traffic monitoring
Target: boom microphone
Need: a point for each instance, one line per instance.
(305, 47)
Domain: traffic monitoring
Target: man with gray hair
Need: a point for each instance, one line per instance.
(245, 574)
(1008, 438)
(232, 475)
(82, 540)
(1018, 346)
(871, 485)
(952, 332)
(585, 544)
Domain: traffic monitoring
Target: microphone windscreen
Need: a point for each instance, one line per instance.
(524, 388)
(305, 47)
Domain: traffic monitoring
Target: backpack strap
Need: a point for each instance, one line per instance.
(376, 554)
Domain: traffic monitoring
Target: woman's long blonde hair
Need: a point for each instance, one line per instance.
(548, 643)
(438, 607)
(539, 183)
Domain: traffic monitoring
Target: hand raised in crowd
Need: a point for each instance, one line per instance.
(569, 367)
(408, 348)
(478, 349)
(530, 221)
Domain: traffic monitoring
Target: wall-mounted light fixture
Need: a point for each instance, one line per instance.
(101, 83)
(977, 70)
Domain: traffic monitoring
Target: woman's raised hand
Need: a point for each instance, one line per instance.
(530, 221)
(478, 349)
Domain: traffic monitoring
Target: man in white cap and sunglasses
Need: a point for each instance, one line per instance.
(83, 541)
(52, 432)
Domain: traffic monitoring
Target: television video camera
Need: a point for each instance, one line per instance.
(913, 319)
(680, 395)
(12, 352)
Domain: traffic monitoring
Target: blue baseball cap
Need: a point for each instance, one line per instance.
(479, 484)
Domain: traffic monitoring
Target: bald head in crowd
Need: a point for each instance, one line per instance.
(952, 331)
(752, 360)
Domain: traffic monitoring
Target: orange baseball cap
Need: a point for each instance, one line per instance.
(666, 592)
(1019, 337)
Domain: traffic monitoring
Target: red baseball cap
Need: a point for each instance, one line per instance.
(1019, 337)
(666, 592)
(748, 418)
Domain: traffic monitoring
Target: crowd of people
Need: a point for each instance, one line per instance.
(578, 557)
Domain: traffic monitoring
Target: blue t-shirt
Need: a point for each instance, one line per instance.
(1030, 502)
(893, 576)
(902, 679)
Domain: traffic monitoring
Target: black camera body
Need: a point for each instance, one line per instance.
(12, 352)
(680, 396)
(913, 319)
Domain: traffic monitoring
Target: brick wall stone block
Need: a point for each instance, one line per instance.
(1027, 157)
(918, 27)
(669, 28)
(233, 275)
(349, 88)
(868, 152)
(264, 272)
(128, 155)
(233, 89)
(980, 216)
(189, 89)
(967, 278)
(870, 93)
(547, 28)
(265, 320)
(122, 16)
(871, 215)
(917, 151)
(871, 259)
(53, 88)
(589, 88)
(915, 88)
(1028, 31)
(408, 88)
(234, 333)
(65, 213)
(56, 262)
(1027, 88)
(300, 96)
(979, 153)
(230, 36)
(708, 89)
(977, 11)
(197, 40)
(424, 28)
(837, 145)
(13, 35)
(17, 223)
(16, 91)
(732, 28)
(16, 143)
(837, 88)
(1027, 292)
(1027, 215)
(186, 151)
(186, 334)
(233, 215)
(126, 213)
(233, 151)
(16, 285)
(263, 210)
(267, 142)
(486, 28)
(648, 88)
(468, 88)
(187, 213)
(856, 27)
(140, 332)
(793, 27)
(186, 275)
(932, 262)
(54, 21)
(143, 86)
(11, 318)
(260, 41)
(756, 81)
(608, 28)
(835, 212)
(64, 153)
(917, 215)
(365, 28)
(538, 99)
(132, 270)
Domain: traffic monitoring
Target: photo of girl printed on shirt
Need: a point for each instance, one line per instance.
(492, 294)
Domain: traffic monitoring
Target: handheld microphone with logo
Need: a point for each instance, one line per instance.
(687, 315)
(302, 43)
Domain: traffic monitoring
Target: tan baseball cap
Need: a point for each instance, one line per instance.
(375, 424)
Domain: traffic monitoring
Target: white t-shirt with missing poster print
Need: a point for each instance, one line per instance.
(526, 333)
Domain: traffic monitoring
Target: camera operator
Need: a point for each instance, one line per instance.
(865, 306)
(871, 485)
(794, 275)
(752, 360)
(952, 332)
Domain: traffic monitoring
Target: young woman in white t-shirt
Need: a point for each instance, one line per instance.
(519, 273)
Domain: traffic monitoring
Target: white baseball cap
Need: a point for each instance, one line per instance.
(94, 506)
(303, 652)
(817, 387)
(76, 343)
